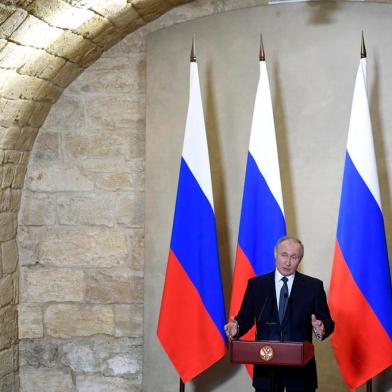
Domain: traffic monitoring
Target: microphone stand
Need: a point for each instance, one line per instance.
(261, 312)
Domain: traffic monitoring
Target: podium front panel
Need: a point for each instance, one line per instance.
(271, 353)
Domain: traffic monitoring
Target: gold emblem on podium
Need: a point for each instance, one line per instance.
(266, 353)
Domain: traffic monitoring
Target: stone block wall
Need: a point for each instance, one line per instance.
(44, 46)
(81, 220)
(81, 227)
(12, 171)
(81, 234)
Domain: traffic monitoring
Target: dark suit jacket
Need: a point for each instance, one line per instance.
(259, 305)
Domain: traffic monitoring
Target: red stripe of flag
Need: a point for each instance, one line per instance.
(181, 302)
(357, 322)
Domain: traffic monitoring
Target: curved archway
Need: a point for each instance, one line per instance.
(44, 46)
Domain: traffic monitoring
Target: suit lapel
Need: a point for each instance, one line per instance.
(296, 286)
(271, 289)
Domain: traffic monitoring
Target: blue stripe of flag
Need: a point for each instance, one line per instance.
(361, 236)
(194, 243)
(262, 221)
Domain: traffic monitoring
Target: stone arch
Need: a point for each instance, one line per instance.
(44, 46)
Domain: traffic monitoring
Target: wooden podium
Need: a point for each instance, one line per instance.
(263, 352)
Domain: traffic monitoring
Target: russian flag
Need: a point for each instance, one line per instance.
(192, 314)
(262, 220)
(360, 295)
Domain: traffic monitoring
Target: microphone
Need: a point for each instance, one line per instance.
(262, 310)
(260, 314)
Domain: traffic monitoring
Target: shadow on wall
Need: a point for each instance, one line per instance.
(321, 14)
(380, 149)
(284, 155)
(218, 179)
(222, 370)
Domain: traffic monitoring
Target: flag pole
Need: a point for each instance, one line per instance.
(369, 383)
(262, 174)
(193, 271)
(192, 60)
(352, 296)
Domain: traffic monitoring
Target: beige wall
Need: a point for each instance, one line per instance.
(312, 56)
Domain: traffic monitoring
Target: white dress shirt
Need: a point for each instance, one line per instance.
(279, 283)
(278, 287)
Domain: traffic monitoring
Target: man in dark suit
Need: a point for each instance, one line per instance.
(286, 306)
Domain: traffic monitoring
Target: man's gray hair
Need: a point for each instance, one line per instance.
(291, 238)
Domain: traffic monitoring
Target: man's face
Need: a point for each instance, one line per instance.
(288, 257)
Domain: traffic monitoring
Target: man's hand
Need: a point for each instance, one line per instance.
(318, 326)
(231, 328)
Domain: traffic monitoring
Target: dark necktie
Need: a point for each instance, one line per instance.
(283, 298)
